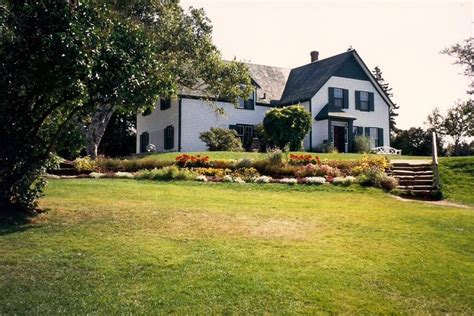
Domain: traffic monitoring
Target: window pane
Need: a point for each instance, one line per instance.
(338, 102)
(364, 105)
(373, 137)
(338, 93)
(241, 104)
(364, 96)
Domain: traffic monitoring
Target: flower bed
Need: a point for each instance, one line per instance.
(302, 169)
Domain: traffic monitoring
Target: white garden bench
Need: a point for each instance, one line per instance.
(385, 150)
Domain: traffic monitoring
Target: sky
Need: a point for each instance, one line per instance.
(404, 38)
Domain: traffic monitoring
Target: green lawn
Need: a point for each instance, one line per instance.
(253, 155)
(125, 246)
(457, 178)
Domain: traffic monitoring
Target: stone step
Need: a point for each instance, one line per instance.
(411, 169)
(416, 187)
(405, 165)
(413, 177)
(416, 182)
(411, 173)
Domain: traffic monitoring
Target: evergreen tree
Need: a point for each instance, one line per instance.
(377, 72)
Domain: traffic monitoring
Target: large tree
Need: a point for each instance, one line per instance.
(416, 142)
(458, 123)
(464, 55)
(377, 72)
(181, 42)
(55, 57)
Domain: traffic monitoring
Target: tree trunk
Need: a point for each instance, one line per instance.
(94, 131)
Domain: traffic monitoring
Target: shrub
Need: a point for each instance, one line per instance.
(262, 179)
(223, 164)
(166, 174)
(185, 160)
(221, 139)
(290, 181)
(85, 164)
(275, 157)
(362, 144)
(388, 183)
(287, 126)
(246, 174)
(244, 163)
(287, 170)
(131, 165)
(371, 177)
(314, 180)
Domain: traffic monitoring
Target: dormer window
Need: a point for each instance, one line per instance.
(338, 98)
(248, 104)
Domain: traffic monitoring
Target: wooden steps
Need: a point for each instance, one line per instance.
(415, 179)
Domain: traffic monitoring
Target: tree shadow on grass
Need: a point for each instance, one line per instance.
(18, 222)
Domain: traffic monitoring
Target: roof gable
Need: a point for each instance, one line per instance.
(351, 69)
(306, 80)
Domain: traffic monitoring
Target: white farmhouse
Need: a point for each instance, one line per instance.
(340, 92)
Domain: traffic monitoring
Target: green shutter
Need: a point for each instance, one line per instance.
(165, 104)
(331, 96)
(380, 136)
(371, 102)
(360, 131)
(249, 104)
(169, 137)
(144, 141)
(345, 93)
(357, 98)
(172, 137)
(367, 131)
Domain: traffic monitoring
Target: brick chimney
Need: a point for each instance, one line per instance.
(314, 55)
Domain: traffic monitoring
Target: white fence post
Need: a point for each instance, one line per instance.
(435, 161)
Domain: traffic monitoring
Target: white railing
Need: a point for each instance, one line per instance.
(385, 150)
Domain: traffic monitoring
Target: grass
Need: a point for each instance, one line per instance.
(457, 178)
(254, 155)
(124, 246)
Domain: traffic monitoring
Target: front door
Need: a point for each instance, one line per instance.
(339, 138)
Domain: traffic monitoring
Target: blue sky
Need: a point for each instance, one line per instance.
(403, 38)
